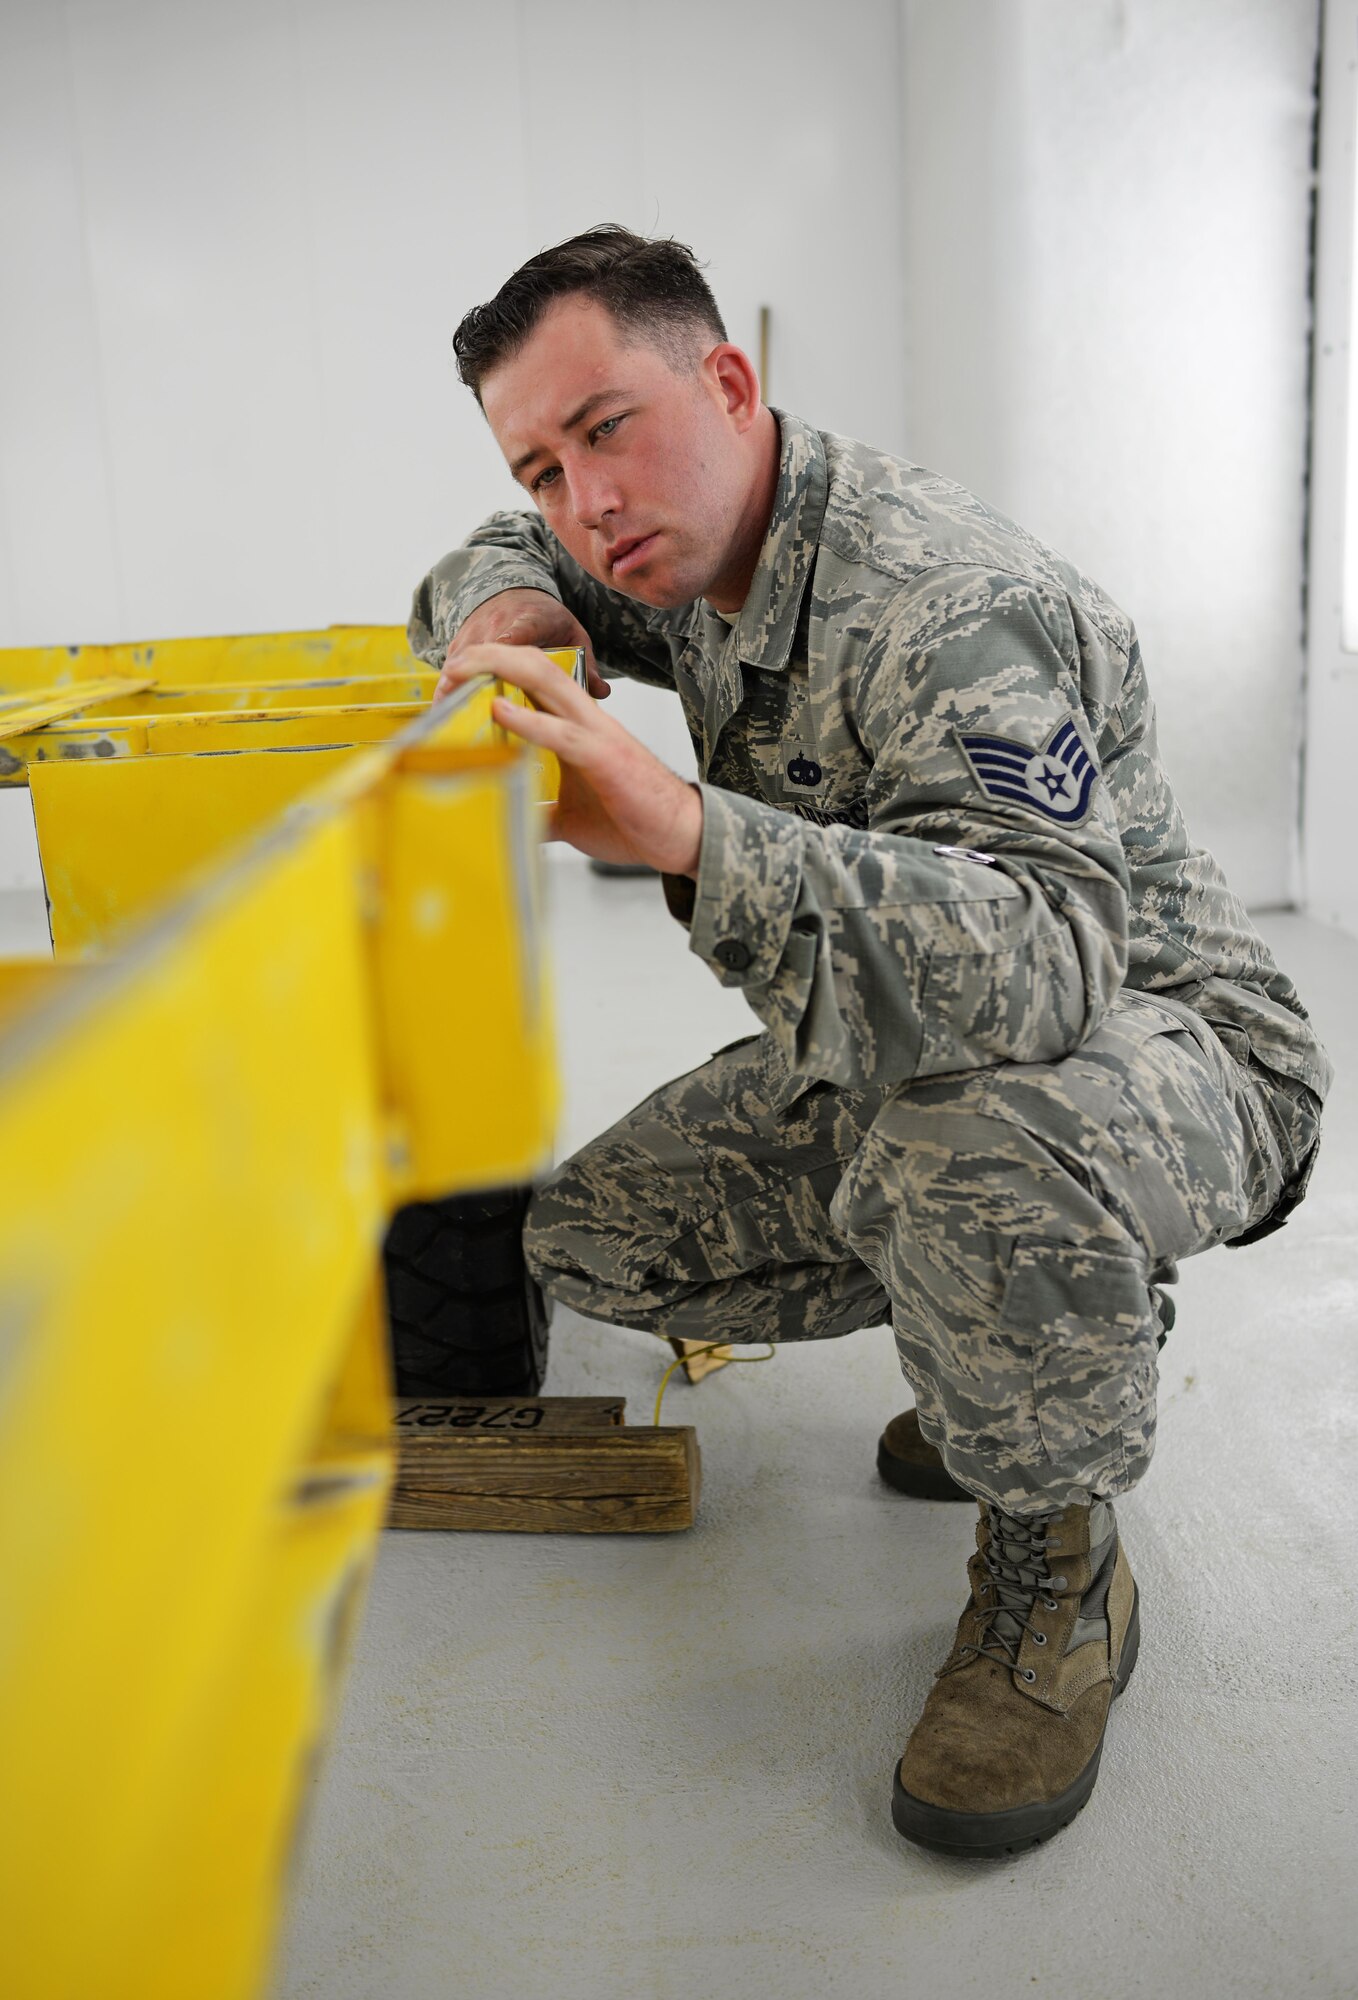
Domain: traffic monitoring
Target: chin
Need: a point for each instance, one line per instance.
(662, 593)
(660, 596)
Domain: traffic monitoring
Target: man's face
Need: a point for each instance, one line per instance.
(636, 468)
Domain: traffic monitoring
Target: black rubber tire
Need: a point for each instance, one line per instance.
(466, 1317)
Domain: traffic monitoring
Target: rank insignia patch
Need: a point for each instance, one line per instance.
(1058, 779)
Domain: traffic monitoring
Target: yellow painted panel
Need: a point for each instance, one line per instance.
(18, 715)
(359, 691)
(184, 721)
(285, 729)
(217, 1893)
(467, 1031)
(186, 1243)
(208, 1136)
(69, 743)
(118, 831)
(338, 649)
(219, 1878)
(99, 739)
(118, 836)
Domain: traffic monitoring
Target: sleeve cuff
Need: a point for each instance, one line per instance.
(504, 576)
(439, 610)
(749, 877)
(680, 891)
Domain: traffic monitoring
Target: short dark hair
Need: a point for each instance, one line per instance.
(652, 286)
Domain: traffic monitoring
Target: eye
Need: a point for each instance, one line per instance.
(606, 428)
(547, 477)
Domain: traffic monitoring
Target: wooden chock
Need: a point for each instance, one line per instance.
(540, 1465)
(696, 1362)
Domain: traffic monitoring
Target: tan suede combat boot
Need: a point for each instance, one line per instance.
(909, 1463)
(1007, 1749)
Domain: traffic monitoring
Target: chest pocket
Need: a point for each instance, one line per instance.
(814, 779)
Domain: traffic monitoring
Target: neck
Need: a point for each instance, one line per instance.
(728, 591)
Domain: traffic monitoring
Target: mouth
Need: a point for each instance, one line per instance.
(629, 553)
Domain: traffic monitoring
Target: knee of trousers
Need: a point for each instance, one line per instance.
(949, 1164)
(1023, 1311)
(598, 1241)
(565, 1231)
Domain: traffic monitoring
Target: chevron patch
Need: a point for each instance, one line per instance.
(1058, 780)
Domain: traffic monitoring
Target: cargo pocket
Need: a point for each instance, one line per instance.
(1089, 1322)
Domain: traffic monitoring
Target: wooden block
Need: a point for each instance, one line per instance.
(418, 1417)
(564, 1464)
(696, 1362)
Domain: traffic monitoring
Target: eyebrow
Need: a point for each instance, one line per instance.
(577, 416)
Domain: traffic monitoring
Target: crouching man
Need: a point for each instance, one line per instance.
(1022, 1047)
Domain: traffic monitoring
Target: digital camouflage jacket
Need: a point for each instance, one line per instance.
(937, 834)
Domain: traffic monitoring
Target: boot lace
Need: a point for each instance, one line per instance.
(1018, 1571)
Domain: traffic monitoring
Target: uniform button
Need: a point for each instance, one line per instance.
(731, 953)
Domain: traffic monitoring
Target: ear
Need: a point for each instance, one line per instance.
(732, 380)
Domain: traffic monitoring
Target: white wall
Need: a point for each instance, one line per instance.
(1331, 888)
(235, 242)
(1107, 318)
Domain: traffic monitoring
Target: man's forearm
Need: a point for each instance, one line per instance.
(508, 552)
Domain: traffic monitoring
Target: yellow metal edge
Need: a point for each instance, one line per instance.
(382, 648)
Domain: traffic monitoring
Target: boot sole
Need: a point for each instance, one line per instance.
(921, 1482)
(986, 1835)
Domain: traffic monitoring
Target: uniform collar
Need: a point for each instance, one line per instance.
(768, 619)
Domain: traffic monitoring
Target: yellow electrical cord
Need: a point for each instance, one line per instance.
(736, 1361)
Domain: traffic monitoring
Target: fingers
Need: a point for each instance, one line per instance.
(455, 671)
(526, 668)
(549, 732)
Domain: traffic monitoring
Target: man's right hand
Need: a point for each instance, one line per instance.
(523, 618)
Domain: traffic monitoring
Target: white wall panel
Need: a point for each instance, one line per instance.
(190, 151)
(415, 165)
(1330, 882)
(1107, 218)
(59, 576)
(237, 242)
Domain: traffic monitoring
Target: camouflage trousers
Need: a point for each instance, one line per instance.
(1014, 1224)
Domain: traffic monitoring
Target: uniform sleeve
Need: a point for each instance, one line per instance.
(518, 552)
(982, 915)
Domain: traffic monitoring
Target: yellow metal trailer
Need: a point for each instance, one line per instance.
(287, 708)
(314, 1018)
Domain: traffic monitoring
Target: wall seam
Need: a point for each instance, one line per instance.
(100, 371)
(1298, 858)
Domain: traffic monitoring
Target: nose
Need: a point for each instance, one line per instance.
(594, 493)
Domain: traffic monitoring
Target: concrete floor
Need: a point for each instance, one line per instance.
(659, 1768)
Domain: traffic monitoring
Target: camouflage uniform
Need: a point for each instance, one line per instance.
(1024, 1047)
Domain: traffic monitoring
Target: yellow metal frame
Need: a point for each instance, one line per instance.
(206, 1137)
(337, 651)
(177, 697)
(128, 803)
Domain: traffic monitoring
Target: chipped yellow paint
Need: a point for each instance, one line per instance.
(349, 1011)
(188, 735)
(110, 727)
(65, 722)
(356, 691)
(20, 714)
(337, 651)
